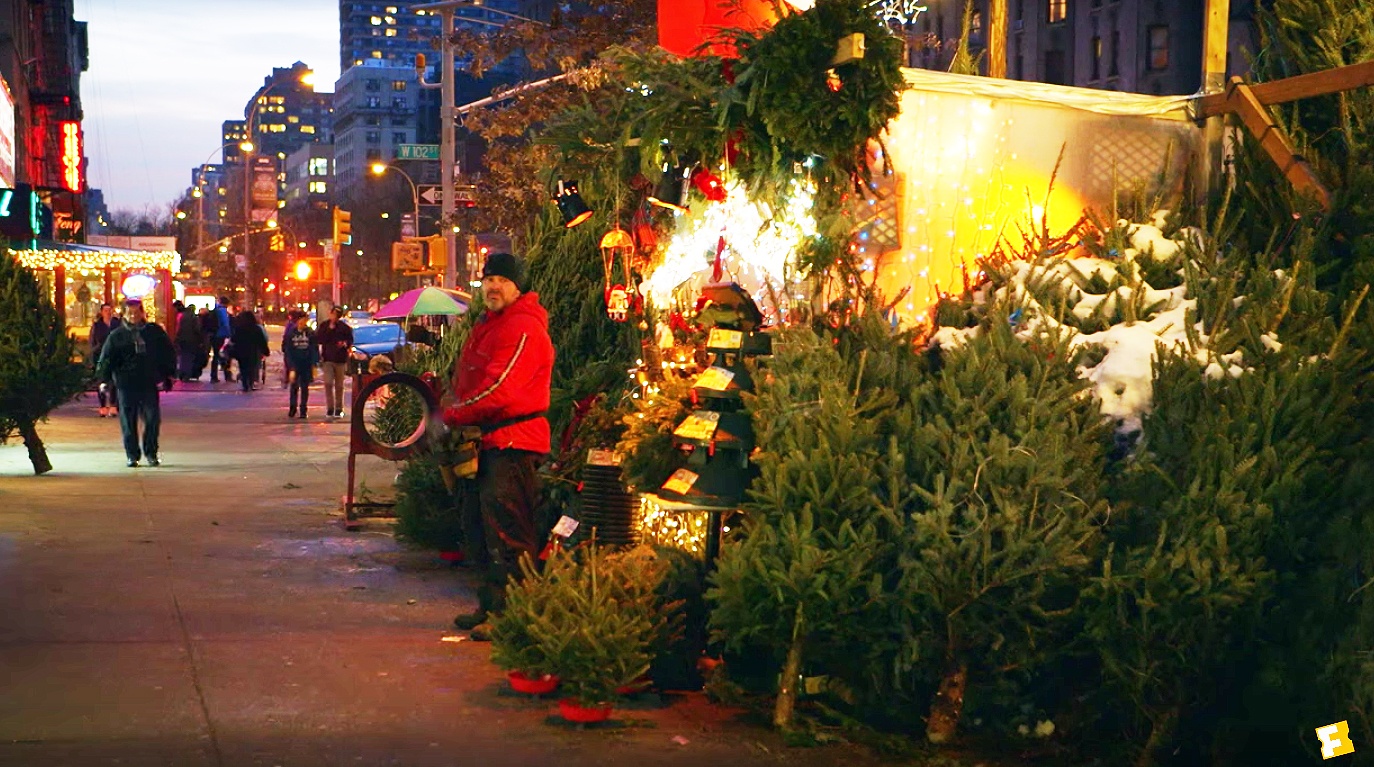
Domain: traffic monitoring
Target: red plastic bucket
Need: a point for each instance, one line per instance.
(572, 712)
(540, 686)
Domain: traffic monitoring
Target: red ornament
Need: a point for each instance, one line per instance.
(709, 184)
(833, 81)
(732, 146)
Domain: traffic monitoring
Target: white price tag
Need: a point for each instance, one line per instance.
(566, 527)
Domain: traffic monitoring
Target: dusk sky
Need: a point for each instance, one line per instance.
(165, 73)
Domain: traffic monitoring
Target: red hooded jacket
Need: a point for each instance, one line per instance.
(504, 371)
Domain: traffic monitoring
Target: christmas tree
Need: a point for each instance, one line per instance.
(37, 373)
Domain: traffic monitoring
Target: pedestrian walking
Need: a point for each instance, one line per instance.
(100, 330)
(208, 324)
(501, 383)
(301, 353)
(136, 358)
(336, 342)
(223, 330)
(248, 347)
(190, 339)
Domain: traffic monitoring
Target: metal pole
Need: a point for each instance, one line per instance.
(447, 155)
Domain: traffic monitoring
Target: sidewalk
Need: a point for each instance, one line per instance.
(212, 612)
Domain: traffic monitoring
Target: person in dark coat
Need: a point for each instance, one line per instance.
(136, 358)
(249, 346)
(190, 340)
(302, 354)
(336, 342)
(104, 323)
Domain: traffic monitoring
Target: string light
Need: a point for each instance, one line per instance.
(95, 260)
(683, 529)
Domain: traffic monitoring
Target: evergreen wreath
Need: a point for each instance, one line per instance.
(784, 81)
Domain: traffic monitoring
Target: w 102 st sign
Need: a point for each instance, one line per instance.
(417, 151)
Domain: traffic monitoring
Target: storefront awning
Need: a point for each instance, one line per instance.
(47, 255)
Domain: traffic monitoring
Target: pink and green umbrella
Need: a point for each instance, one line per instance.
(425, 301)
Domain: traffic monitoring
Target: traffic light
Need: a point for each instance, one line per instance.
(278, 242)
(303, 270)
(343, 227)
(438, 253)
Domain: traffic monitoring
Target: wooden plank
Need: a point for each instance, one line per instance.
(1257, 120)
(997, 38)
(1217, 19)
(1300, 87)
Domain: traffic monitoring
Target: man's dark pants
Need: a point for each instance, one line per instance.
(136, 404)
(499, 525)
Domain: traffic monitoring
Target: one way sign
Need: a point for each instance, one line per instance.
(464, 195)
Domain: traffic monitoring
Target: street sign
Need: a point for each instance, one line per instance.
(464, 195)
(407, 256)
(417, 151)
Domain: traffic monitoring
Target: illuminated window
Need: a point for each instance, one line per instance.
(376, 21)
(391, 33)
(307, 129)
(293, 119)
(319, 187)
(391, 19)
(1058, 10)
(398, 85)
(391, 9)
(319, 166)
(1159, 48)
(376, 54)
(277, 127)
(420, 13)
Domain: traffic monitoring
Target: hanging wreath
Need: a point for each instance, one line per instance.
(812, 106)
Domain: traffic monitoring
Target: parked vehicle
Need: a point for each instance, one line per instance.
(375, 338)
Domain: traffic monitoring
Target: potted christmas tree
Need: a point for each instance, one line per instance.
(586, 619)
(513, 646)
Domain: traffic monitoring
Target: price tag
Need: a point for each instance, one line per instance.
(566, 527)
(724, 339)
(681, 481)
(699, 425)
(600, 457)
(715, 379)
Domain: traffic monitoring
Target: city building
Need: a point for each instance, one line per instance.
(376, 109)
(1137, 46)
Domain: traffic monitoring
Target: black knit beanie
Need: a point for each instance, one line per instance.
(506, 265)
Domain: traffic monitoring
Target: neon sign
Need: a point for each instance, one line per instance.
(71, 156)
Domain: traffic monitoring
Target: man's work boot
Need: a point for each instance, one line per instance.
(470, 621)
(481, 632)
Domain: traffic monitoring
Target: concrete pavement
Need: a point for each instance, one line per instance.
(212, 612)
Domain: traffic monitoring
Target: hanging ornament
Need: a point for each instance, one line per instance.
(709, 184)
(833, 81)
(646, 239)
(616, 245)
(617, 303)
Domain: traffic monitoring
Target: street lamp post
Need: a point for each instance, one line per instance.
(378, 168)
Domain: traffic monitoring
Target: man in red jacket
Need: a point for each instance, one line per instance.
(501, 383)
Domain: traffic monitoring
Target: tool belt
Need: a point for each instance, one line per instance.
(470, 442)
